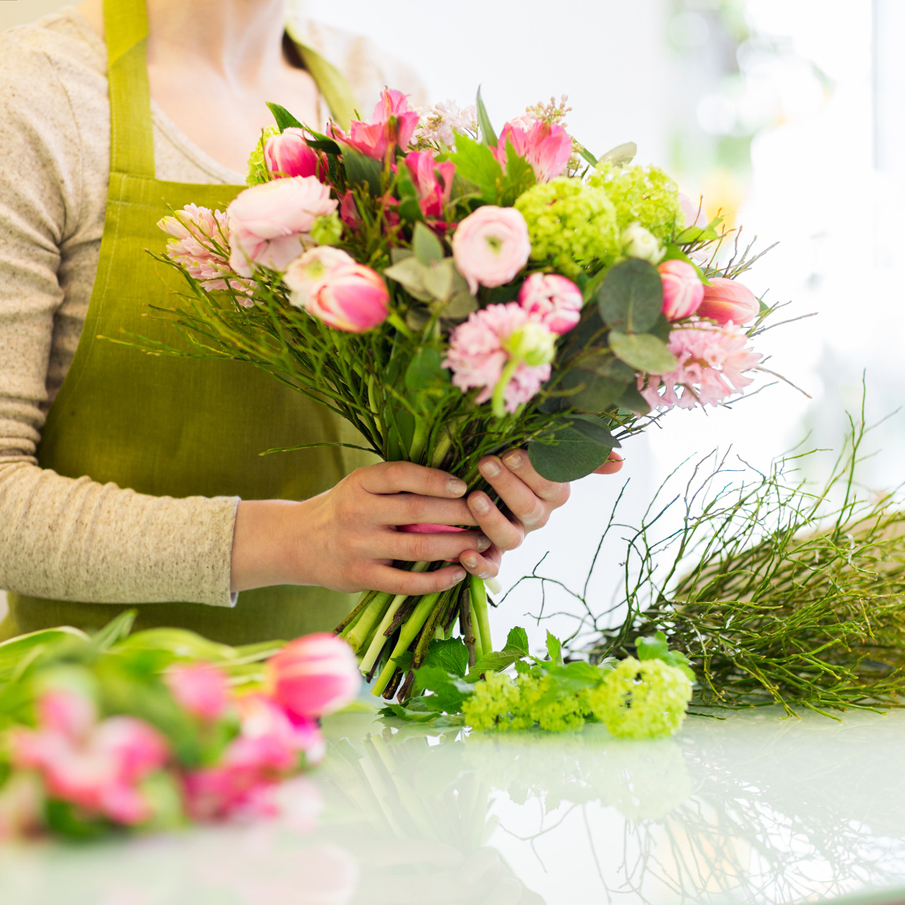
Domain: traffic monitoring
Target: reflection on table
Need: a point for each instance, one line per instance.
(752, 808)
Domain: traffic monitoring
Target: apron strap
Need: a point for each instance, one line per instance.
(131, 136)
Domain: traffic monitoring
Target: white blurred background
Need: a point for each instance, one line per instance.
(787, 115)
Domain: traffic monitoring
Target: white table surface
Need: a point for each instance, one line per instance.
(755, 808)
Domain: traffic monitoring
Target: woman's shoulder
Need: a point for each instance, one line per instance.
(368, 68)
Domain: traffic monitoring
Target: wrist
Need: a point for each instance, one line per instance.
(265, 549)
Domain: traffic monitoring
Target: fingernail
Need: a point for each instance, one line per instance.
(469, 560)
(514, 460)
(490, 469)
(455, 486)
(483, 543)
(480, 504)
(458, 575)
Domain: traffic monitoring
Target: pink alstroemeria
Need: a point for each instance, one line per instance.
(201, 688)
(547, 147)
(393, 124)
(553, 299)
(728, 301)
(288, 154)
(313, 675)
(433, 183)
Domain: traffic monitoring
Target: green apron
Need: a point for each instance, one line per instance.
(178, 427)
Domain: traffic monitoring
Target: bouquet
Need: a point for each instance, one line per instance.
(157, 729)
(454, 293)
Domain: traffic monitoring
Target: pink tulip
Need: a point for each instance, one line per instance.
(270, 223)
(683, 290)
(393, 125)
(726, 301)
(288, 154)
(491, 246)
(314, 675)
(352, 298)
(66, 712)
(433, 182)
(553, 299)
(200, 688)
(548, 148)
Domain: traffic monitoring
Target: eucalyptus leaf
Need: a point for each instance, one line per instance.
(426, 246)
(622, 154)
(632, 400)
(461, 303)
(643, 352)
(438, 279)
(410, 274)
(631, 296)
(579, 447)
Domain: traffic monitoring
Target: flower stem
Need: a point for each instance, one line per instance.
(407, 634)
(379, 638)
(480, 615)
(499, 404)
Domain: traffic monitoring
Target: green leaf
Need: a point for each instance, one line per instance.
(410, 273)
(587, 155)
(451, 655)
(599, 379)
(554, 649)
(362, 170)
(115, 630)
(622, 154)
(426, 246)
(283, 118)
(18, 653)
(450, 690)
(519, 176)
(439, 279)
(632, 400)
(653, 647)
(476, 163)
(631, 296)
(517, 639)
(581, 444)
(643, 352)
(409, 209)
(487, 133)
(424, 369)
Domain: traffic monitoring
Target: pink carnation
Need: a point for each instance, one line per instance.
(713, 361)
(553, 299)
(477, 355)
(200, 244)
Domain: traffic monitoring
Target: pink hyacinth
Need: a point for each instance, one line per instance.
(392, 126)
(270, 224)
(202, 689)
(713, 364)
(478, 355)
(200, 244)
(288, 154)
(313, 675)
(547, 147)
(433, 183)
(553, 299)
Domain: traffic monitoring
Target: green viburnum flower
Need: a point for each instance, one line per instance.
(571, 225)
(642, 699)
(642, 194)
(490, 707)
(553, 712)
(257, 172)
(327, 230)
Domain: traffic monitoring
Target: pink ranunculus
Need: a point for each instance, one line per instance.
(713, 361)
(202, 689)
(352, 298)
(270, 224)
(547, 147)
(433, 183)
(556, 301)
(313, 675)
(393, 124)
(491, 245)
(478, 355)
(726, 300)
(683, 290)
(288, 154)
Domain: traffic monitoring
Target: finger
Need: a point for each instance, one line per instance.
(413, 509)
(612, 464)
(432, 547)
(485, 566)
(519, 464)
(414, 584)
(400, 477)
(525, 505)
(503, 532)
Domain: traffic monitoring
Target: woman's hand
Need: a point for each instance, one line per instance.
(347, 538)
(529, 499)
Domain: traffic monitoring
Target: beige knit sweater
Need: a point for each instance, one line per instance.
(75, 539)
